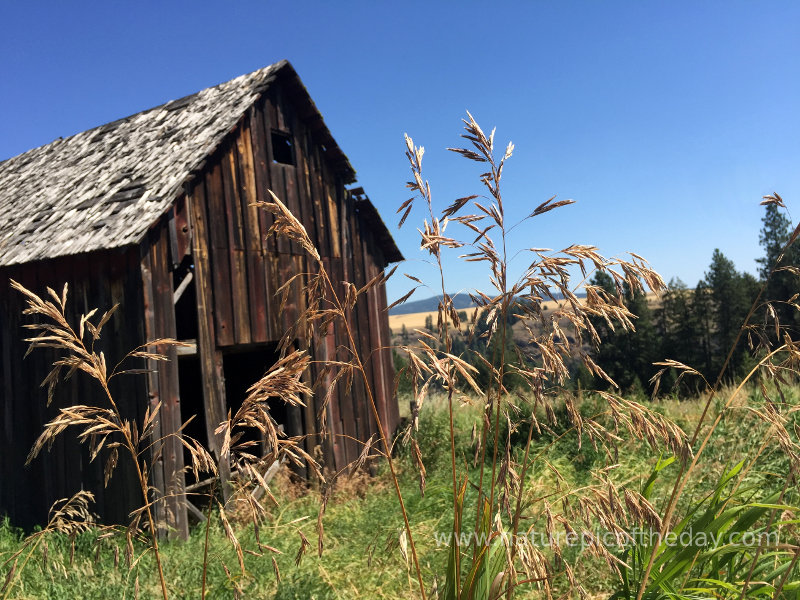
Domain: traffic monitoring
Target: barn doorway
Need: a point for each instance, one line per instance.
(185, 299)
(243, 366)
(190, 375)
(190, 388)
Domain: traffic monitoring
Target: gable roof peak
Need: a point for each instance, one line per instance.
(105, 187)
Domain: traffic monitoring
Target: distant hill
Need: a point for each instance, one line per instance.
(461, 302)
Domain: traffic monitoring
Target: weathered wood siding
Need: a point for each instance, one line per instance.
(239, 268)
(162, 379)
(100, 280)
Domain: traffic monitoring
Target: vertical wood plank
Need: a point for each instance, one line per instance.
(9, 456)
(275, 113)
(73, 456)
(210, 357)
(153, 392)
(309, 428)
(375, 338)
(262, 156)
(320, 201)
(350, 398)
(334, 442)
(40, 362)
(393, 408)
(24, 429)
(368, 425)
(334, 220)
(256, 270)
(174, 482)
(37, 470)
(274, 281)
(302, 191)
(276, 176)
(236, 247)
(217, 249)
(123, 335)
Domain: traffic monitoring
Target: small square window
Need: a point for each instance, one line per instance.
(282, 148)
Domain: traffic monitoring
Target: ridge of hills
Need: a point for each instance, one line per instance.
(427, 305)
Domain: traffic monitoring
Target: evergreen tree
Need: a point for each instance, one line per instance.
(703, 317)
(404, 382)
(643, 342)
(775, 233)
(678, 329)
(627, 356)
(732, 294)
(773, 237)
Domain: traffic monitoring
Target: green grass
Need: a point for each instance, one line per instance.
(362, 557)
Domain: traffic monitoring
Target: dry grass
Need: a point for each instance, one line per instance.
(411, 321)
(417, 320)
(492, 499)
(500, 481)
(503, 503)
(110, 435)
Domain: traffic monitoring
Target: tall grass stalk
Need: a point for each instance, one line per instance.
(104, 429)
(325, 307)
(500, 479)
(524, 391)
(490, 569)
(101, 426)
(790, 347)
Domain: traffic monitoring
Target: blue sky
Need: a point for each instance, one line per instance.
(665, 121)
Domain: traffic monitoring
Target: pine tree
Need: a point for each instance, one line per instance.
(783, 284)
(678, 329)
(643, 344)
(703, 317)
(732, 294)
(773, 237)
(627, 356)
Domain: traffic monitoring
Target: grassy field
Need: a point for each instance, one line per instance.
(362, 556)
(417, 320)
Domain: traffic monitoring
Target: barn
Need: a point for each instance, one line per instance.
(155, 212)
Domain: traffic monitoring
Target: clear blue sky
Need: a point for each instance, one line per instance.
(666, 121)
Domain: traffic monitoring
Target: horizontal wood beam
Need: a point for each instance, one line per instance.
(190, 349)
(182, 287)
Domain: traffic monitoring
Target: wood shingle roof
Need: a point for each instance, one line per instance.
(103, 188)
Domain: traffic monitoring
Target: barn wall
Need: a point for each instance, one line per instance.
(98, 281)
(239, 268)
(162, 379)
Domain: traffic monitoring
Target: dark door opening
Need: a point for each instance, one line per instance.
(190, 388)
(243, 367)
(186, 300)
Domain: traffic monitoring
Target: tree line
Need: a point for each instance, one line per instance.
(694, 326)
(699, 326)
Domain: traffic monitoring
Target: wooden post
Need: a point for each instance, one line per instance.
(210, 356)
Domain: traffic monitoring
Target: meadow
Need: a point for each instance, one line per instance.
(508, 478)
(362, 557)
(417, 320)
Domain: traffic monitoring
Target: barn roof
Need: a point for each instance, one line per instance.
(105, 187)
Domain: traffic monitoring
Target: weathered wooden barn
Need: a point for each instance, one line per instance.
(154, 212)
